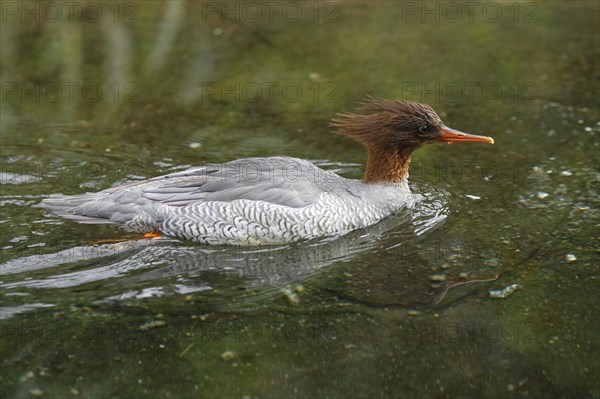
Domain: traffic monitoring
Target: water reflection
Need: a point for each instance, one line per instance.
(174, 73)
(142, 268)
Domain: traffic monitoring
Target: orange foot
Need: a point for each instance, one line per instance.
(155, 234)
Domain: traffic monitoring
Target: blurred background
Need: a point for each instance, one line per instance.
(490, 288)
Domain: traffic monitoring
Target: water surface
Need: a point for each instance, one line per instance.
(401, 309)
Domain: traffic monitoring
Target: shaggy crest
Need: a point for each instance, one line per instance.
(388, 122)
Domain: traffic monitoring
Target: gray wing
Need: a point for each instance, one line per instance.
(278, 180)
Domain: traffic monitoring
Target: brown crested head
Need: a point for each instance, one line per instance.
(391, 130)
(404, 125)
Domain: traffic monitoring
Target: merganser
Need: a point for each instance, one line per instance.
(275, 200)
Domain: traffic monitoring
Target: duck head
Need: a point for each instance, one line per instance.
(391, 130)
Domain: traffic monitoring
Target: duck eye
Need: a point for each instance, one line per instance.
(423, 129)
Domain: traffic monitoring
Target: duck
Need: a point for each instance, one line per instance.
(279, 199)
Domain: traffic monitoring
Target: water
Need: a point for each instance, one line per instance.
(401, 309)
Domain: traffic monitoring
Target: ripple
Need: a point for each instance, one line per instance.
(8, 312)
(221, 277)
(15, 178)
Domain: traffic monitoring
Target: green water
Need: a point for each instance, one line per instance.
(95, 94)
